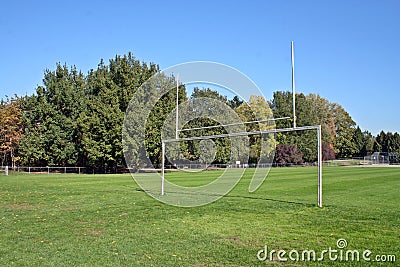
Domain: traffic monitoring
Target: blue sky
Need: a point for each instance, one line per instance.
(346, 51)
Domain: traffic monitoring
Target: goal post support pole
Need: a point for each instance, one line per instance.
(162, 167)
(319, 136)
(293, 87)
(177, 108)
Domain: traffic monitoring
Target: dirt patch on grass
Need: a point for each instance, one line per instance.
(96, 232)
(20, 206)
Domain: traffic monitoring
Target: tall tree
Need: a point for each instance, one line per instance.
(358, 139)
(11, 129)
(337, 125)
(76, 119)
(50, 136)
(396, 142)
(380, 144)
(206, 108)
(110, 89)
(235, 102)
(144, 120)
(344, 144)
(387, 142)
(368, 144)
(258, 109)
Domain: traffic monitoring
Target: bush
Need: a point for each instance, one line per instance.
(288, 154)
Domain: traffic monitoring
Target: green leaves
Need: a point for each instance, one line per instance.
(338, 127)
(11, 129)
(77, 120)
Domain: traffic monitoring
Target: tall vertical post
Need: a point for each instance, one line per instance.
(319, 166)
(6, 170)
(177, 105)
(293, 88)
(162, 166)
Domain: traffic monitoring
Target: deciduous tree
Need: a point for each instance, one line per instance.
(11, 129)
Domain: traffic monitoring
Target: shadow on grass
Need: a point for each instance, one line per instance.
(244, 197)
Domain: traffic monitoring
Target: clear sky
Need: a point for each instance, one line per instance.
(346, 50)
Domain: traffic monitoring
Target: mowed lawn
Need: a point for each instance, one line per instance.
(107, 220)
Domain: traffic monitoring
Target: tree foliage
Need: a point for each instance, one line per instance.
(327, 152)
(287, 155)
(76, 119)
(337, 125)
(255, 110)
(11, 129)
(387, 142)
(208, 108)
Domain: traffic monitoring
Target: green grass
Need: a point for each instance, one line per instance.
(107, 220)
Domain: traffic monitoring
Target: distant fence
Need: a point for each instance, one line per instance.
(215, 166)
(344, 162)
(65, 169)
(192, 166)
(383, 158)
(44, 170)
(368, 160)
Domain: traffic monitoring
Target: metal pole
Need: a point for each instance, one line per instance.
(162, 167)
(301, 128)
(177, 104)
(232, 124)
(293, 89)
(319, 166)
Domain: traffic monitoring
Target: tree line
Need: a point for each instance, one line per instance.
(76, 119)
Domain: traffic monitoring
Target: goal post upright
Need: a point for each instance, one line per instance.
(177, 107)
(319, 137)
(293, 87)
(162, 166)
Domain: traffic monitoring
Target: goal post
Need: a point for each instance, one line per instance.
(207, 137)
(237, 134)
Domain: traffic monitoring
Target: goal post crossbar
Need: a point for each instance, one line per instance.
(233, 124)
(207, 137)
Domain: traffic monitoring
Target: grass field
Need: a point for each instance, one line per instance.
(107, 220)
